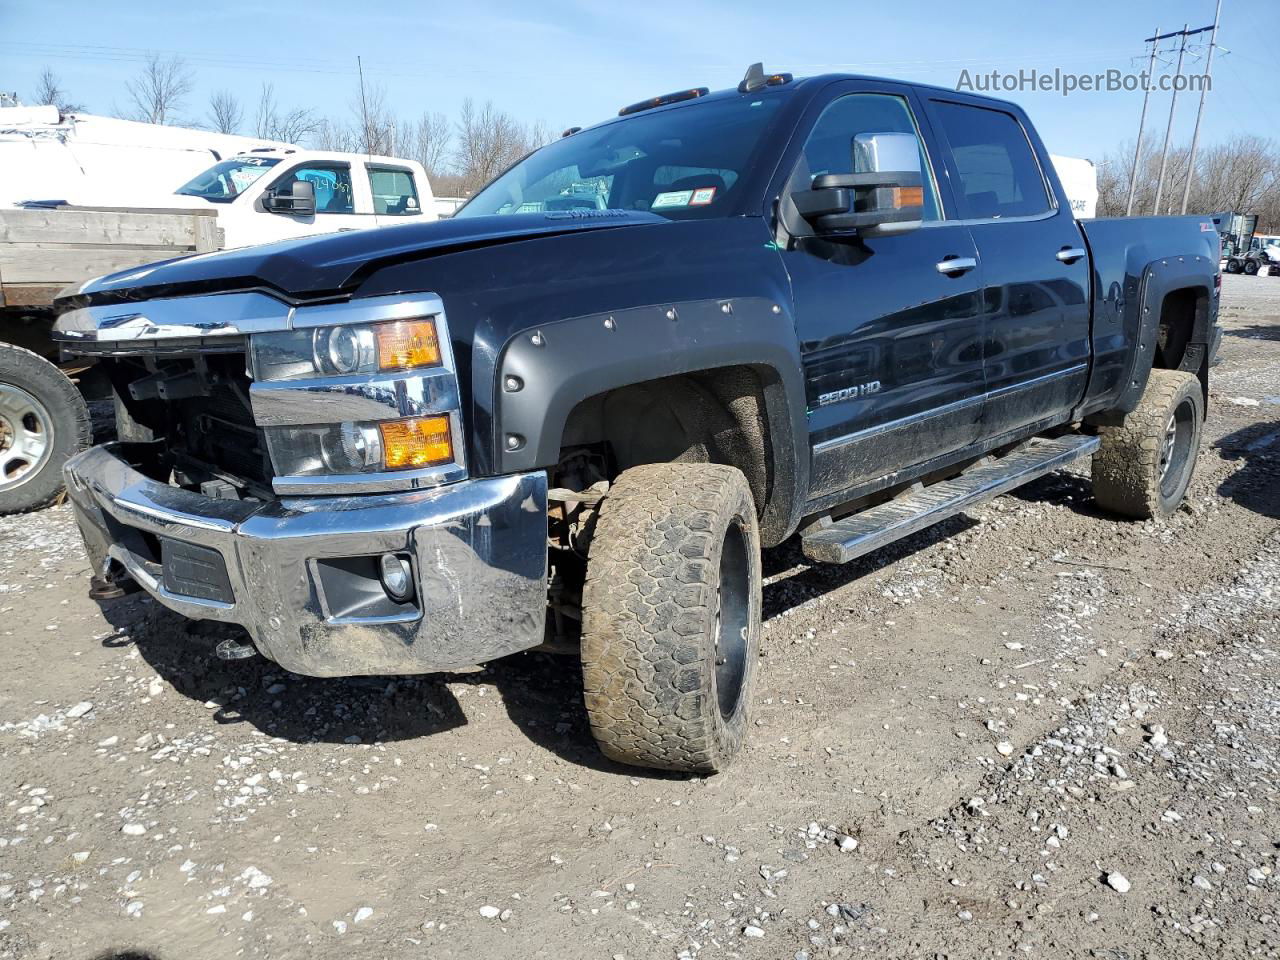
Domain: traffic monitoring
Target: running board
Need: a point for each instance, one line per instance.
(850, 538)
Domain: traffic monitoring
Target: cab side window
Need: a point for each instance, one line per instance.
(999, 174)
(832, 147)
(394, 192)
(332, 183)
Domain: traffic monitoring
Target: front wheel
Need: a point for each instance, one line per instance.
(43, 421)
(671, 616)
(1144, 465)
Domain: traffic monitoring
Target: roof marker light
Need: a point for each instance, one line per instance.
(665, 99)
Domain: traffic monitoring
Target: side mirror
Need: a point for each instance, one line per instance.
(884, 194)
(297, 198)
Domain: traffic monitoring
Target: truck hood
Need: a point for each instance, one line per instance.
(331, 265)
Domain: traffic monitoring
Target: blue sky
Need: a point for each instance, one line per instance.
(570, 62)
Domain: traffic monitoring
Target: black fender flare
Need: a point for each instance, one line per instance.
(1160, 278)
(542, 373)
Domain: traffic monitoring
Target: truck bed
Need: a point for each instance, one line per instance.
(43, 250)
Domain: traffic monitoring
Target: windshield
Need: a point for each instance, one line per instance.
(683, 163)
(225, 181)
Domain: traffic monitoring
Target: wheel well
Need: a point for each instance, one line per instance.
(1184, 318)
(1181, 313)
(712, 416)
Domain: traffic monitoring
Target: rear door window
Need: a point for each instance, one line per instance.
(997, 169)
(395, 194)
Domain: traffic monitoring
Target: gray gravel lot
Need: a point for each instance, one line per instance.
(1030, 731)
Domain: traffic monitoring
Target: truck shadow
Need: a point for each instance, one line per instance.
(1254, 331)
(1256, 485)
(813, 580)
(1071, 490)
(541, 693)
(795, 580)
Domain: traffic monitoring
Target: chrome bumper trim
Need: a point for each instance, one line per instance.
(178, 318)
(225, 315)
(478, 549)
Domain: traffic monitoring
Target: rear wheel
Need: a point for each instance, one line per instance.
(43, 421)
(1144, 465)
(671, 617)
(1251, 267)
(1233, 265)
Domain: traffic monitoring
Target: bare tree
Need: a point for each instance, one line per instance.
(159, 91)
(381, 131)
(489, 141)
(537, 134)
(225, 112)
(272, 122)
(49, 91)
(335, 135)
(431, 140)
(1241, 175)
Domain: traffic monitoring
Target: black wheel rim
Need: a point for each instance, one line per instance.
(1176, 448)
(732, 619)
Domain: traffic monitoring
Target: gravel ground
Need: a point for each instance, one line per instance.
(1031, 730)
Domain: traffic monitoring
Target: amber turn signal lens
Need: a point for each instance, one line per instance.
(407, 343)
(908, 197)
(416, 442)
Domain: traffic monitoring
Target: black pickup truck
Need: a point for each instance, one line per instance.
(838, 307)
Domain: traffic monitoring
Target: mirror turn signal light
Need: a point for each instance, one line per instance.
(407, 343)
(908, 197)
(416, 442)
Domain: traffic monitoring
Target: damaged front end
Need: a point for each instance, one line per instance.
(300, 471)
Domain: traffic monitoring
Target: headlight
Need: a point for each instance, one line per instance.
(358, 448)
(359, 397)
(349, 350)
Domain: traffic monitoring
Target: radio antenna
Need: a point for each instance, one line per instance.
(364, 110)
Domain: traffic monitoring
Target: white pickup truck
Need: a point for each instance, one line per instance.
(257, 196)
(278, 194)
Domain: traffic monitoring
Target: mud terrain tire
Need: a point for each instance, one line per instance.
(671, 617)
(1144, 465)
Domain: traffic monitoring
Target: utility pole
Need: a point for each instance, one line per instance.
(1168, 130)
(1142, 122)
(1204, 89)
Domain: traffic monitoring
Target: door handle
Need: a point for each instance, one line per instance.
(1070, 254)
(954, 266)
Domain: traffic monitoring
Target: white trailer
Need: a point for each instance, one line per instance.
(88, 160)
(1080, 179)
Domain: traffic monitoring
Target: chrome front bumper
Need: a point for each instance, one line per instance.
(477, 549)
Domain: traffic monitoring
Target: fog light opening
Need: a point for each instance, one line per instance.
(396, 576)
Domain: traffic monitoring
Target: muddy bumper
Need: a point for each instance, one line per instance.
(302, 575)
